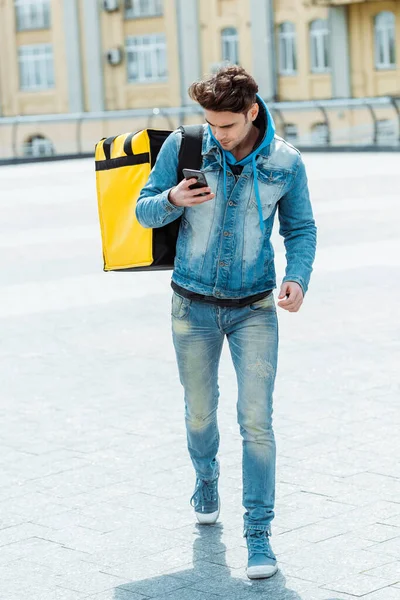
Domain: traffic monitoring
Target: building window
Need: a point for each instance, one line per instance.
(38, 145)
(32, 14)
(320, 134)
(290, 133)
(36, 69)
(230, 45)
(287, 49)
(135, 9)
(386, 131)
(385, 40)
(146, 58)
(319, 44)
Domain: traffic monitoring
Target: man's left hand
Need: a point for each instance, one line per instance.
(293, 296)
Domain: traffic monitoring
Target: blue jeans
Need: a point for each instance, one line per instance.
(198, 331)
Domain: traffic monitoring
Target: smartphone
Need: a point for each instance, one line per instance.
(199, 175)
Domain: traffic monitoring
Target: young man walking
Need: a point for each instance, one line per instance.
(223, 280)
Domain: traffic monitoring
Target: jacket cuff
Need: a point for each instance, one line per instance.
(302, 283)
(168, 206)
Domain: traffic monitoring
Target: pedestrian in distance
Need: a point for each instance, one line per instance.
(223, 282)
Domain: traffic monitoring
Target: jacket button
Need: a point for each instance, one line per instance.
(230, 203)
(221, 263)
(226, 233)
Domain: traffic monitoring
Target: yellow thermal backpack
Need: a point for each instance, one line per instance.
(123, 165)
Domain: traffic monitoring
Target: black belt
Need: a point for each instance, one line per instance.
(226, 302)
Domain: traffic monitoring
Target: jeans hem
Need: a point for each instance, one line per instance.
(252, 527)
(216, 474)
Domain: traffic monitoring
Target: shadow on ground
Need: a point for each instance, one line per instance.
(210, 577)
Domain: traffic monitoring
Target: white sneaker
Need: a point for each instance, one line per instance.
(206, 501)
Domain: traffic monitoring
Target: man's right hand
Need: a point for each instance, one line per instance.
(181, 195)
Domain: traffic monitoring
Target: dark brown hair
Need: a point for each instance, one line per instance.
(230, 89)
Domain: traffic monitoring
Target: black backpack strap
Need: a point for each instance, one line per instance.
(107, 147)
(190, 156)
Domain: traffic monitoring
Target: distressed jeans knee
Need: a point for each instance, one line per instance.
(198, 345)
(198, 331)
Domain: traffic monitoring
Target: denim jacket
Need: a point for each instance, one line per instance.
(223, 247)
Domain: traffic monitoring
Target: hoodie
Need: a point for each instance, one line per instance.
(229, 159)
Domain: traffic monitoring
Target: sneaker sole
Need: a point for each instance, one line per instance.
(261, 572)
(209, 518)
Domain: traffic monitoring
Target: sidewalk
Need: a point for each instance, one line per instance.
(95, 477)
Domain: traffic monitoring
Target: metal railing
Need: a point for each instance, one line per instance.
(358, 136)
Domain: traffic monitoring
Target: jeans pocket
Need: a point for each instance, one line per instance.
(267, 303)
(180, 306)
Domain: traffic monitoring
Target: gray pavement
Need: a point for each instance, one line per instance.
(95, 477)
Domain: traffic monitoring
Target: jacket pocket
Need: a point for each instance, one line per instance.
(270, 185)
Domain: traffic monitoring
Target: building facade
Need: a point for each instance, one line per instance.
(69, 57)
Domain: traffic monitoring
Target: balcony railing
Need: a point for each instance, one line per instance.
(337, 2)
(375, 131)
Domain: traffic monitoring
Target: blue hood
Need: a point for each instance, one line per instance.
(251, 158)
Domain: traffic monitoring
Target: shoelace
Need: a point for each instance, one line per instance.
(258, 543)
(205, 491)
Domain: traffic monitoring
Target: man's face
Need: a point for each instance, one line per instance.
(229, 128)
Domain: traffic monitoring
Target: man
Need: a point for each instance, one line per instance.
(223, 280)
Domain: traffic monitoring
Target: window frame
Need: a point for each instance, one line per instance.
(34, 59)
(287, 47)
(386, 131)
(383, 32)
(230, 40)
(25, 14)
(291, 136)
(319, 34)
(155, 8)
(147, 54)
(319, 133)
(38, 146)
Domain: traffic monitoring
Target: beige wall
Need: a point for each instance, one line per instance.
(214, 15)
(305, 85)
(366, 80)
(120, 94)
(83, 58)
(13, 101)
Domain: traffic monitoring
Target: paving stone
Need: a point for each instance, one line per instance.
(188, 594)
(20, 532)
(328, 566)
(88, 583)
(39, 592)
(390, 547)
(27, 548)
(379, 532)
(156, 586)
(387, 593)
(388, 571)
(359, 585)
(60, 594)
(199, 570)
(395, 521)
(117, 594)
(59, 559)
(30, 506)
(95, 477)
